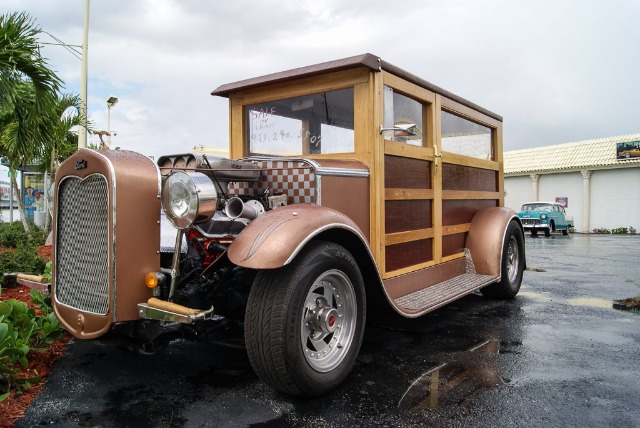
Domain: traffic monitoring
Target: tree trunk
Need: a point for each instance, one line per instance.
(23, 217)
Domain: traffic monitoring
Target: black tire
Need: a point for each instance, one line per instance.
(512, 265)
(297, 340)
(534, 233)
(565, 232)
(547, 232)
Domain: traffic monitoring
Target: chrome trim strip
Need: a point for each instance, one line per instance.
(342, 172)
(318, 179)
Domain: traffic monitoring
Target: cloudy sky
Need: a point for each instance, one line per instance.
(557, 71)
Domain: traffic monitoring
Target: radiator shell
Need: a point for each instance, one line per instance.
(106, 237)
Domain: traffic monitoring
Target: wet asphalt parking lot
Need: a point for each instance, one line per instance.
(557, 355)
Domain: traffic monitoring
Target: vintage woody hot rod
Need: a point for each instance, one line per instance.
(351, 185)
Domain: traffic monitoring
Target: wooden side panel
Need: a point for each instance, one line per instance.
(401, 216)
(408, 254)
(459, 177)
(462, 211)
(406, 173)
(453, 244)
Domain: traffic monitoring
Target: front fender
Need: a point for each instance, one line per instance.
(275, 238)
(486, 238)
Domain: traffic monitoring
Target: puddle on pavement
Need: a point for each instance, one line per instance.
(631, 304)
(453, 383)
(591, 302)
(534, 295)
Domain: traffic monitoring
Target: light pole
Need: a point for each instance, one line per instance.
(82, 135)
(111, 101)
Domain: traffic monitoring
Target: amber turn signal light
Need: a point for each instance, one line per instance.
(153, 279)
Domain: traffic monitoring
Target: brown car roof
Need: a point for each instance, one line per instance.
(371, 61)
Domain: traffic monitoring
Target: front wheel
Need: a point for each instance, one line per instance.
(305, 321)
(512, 265)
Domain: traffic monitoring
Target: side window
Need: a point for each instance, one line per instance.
(402, 110)
(464, 137)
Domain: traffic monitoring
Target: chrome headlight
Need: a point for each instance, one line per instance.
(543, 216)
(188, 198)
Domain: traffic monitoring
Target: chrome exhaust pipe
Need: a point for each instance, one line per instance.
(236, 208)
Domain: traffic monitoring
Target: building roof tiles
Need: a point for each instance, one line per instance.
(598, 153)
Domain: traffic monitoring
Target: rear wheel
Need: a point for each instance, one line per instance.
(512, 265)
(534, 233)
(565, 232)
(305, 321)
(547, 232)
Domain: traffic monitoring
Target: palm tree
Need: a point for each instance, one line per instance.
(28, 89)
(65, 115)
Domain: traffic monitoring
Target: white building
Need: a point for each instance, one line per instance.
(600, 185)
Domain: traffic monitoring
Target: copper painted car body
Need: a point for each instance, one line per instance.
(352, 184)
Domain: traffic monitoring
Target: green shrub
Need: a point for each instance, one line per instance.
(13, 234)
(22, 332)
(619, 231)
(23, 259)
(601, 231)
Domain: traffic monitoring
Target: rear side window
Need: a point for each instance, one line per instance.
(464, 137)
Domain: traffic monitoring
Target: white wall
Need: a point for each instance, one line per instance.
(614, 201)
(615, 198)
(518, 191)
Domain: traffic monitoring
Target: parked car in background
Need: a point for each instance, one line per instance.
(545, 216)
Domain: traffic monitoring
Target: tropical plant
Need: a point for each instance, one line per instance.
(23, 331)
(65, 116)
(28, 90)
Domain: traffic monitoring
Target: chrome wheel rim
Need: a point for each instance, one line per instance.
(328, 322)
(513, 261)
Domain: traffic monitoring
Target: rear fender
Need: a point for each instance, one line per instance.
(275, 238)
(486, 237)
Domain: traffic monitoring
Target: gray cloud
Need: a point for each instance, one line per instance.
(556, 71)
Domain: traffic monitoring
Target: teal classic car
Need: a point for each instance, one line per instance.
(545, 216)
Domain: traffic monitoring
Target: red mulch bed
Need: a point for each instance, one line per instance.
(40, 362)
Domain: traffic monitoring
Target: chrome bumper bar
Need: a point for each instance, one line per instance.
(147, 312)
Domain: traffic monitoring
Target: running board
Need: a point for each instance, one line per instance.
(438, 295)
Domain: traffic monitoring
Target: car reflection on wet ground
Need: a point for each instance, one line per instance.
(557, 355)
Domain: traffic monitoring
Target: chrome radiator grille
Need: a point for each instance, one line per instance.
(82, 244)
(530, 221)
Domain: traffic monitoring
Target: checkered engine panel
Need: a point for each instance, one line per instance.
(296, 179)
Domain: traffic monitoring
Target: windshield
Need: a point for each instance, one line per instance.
(311, 124)
(537, 207)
